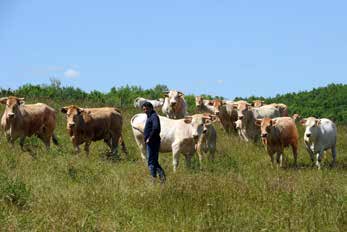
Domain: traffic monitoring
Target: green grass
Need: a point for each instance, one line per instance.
(240, 191)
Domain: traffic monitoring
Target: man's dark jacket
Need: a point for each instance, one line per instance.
(152, 127)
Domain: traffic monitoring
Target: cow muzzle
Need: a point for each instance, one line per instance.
(10, 115)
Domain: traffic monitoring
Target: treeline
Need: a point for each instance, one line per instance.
(329, 101)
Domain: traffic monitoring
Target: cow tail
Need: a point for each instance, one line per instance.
(124, 148)
(55, 139)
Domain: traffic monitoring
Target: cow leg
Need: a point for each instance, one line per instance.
(21, 142)
(188, 159)
(86, 147)
(319, 158)
(77, 148)
(108, 142)
(279, 158)
(295, 154)
(271, 154)
(114, 145)
(46, 140)
(333, 152)
(175, 156)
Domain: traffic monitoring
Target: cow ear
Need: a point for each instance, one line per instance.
(258, 122)
(208, 122)
(303, 121)
(21, 101)
(80, 110)
(3, 100)
(213, 117)
(188, 119)
(180, 94)
(273, 122)
(317, 122)
(166, 93)
(64, 110)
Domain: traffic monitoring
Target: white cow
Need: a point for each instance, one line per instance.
(157, 104)
(179, 136)
(175, 106)
(320, 135)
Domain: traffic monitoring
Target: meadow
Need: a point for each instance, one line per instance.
(59, 190)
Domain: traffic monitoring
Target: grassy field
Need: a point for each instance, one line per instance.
(240, 191)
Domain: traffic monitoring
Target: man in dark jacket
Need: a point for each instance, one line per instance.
(152, 140)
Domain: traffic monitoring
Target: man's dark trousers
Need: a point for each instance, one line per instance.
(152, 157)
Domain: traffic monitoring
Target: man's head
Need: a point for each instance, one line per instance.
(147, 107)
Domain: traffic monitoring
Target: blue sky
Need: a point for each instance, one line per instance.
(227, 48)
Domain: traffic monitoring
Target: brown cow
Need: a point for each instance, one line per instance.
(92, 124)
(277, 134)
(20, 120)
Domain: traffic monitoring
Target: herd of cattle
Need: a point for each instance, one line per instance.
(181, 133)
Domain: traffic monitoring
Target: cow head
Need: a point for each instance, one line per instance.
(242, 108)
(199, 124)
(12, 106)
(257, 103)
(73, 115)
(311, 130)
(217, 104)
(174, 97)
(265, 125)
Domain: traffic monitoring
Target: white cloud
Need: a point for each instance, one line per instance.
(220, 82)
(71, 73)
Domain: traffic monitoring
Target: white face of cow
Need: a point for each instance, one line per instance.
(72, 115)
(242, 109)
(312, 124)
(12, 106)
(173, 96)
(199, 125)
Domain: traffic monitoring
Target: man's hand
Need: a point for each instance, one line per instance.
(147, 141)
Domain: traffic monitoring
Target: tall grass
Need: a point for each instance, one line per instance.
(240, 191)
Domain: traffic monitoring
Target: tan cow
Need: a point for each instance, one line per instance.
(92, 124)
(277, 134)
(21, 121)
